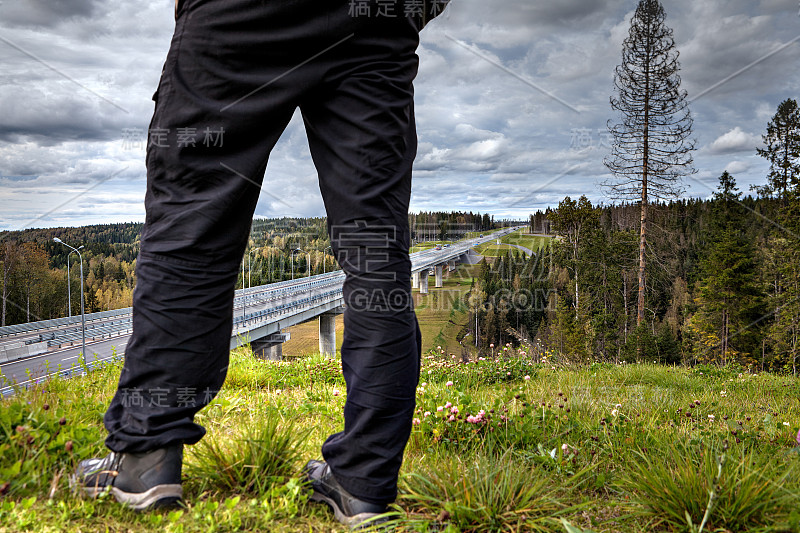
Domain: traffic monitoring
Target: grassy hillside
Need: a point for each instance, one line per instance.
(499, 444)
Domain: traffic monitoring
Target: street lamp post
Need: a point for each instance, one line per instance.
(292, 257)
(69, 288)
(249, 266)
(83, 309)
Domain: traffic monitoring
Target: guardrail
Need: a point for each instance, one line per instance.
(68, 330)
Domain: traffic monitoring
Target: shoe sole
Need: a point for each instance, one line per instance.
(356, 521)
(158, 497)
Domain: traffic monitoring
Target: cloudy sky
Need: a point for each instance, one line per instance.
(512, 103)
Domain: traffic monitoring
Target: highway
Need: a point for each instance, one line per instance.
(55, 345)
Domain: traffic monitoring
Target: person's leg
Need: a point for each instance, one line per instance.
(207, 151)
(209, 142)
(360, 125)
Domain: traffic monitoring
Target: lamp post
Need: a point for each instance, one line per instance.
(69, 287)
(292, 257)
(308, 263)
(83, 310)
(325, 258)
(249, 267)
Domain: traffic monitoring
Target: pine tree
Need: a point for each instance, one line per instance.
(574, 221)
(782, 151)
(730, 297)
(651, 149)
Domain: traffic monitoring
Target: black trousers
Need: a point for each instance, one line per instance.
(235, 73)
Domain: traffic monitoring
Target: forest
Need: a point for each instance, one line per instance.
(34, 266)
(691, 281)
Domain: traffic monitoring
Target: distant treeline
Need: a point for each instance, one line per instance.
(34, 267)
(723, 284)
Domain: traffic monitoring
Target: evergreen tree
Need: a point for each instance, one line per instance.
(651, 150)
(729, 293)
(782, 150)
(574, 221)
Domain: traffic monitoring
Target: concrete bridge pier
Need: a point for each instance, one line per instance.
(438, 276)
(327, 334)
(270, 347)
(451, 265)
(415, 280)
(423, 282)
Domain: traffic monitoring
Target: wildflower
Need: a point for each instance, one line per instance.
(448, 405)
(336, 392)
(618, 406)
(491, 345)
(786, 423)
(454, 410)
(614, 412)
(439, 409)
(278, 391)
(451, 419)
(438, 347)
(565, 448)
(711, 418)
(723, 393)
(427, 413)
(448, 384)
(527, 378)
(416, 422)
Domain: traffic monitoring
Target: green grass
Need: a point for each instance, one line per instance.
(531, 242)
(605, 448)
(492, 249)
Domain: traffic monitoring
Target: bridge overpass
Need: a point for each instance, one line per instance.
(31, 352)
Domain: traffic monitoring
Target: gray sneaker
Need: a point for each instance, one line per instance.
(141, 481)
(349, 510)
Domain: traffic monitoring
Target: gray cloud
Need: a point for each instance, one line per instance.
(490, 140)
(46, 13)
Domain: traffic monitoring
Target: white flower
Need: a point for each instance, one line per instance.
(527, 378)
(711, 417)
(786, 423)
(448, 384)
(427, 413)
(336, 392)
(424, 385)
(614, 412)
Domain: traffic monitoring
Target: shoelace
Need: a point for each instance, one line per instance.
(114, 461)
